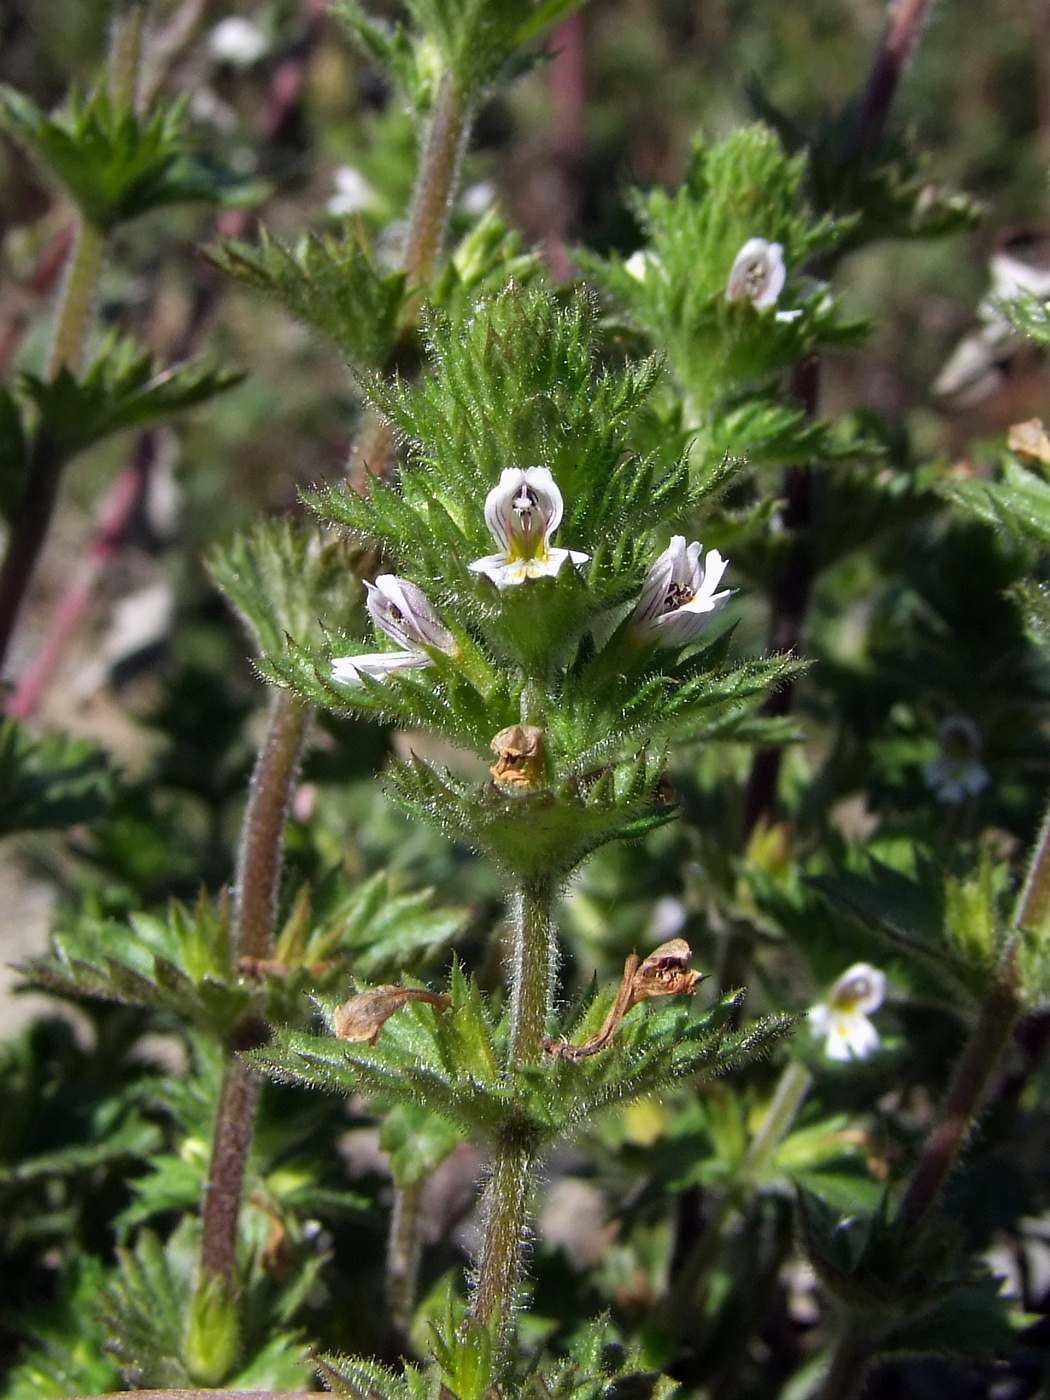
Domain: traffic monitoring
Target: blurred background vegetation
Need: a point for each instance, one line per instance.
(158, 672)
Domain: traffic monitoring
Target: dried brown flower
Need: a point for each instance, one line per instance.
(364, 1015)
(665, 972)
(519, 756)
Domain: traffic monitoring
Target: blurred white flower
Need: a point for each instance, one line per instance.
(237, 41)
(522, 512)
(758, 274)
(843, 1019)
(638, 265)
(403, 612)
(679, 594)
(478, 197)
(956, 773)
(974, 370)
(352, 192)
(393, 241)
(668, 918)
(207, 107)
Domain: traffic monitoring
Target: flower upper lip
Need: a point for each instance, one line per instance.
(402, 610)
(522, 511)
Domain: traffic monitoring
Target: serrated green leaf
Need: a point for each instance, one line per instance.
(115, 163)
(52, 781)
(120, 389)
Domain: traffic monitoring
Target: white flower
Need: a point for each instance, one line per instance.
(679, 594)
(974, 370)
(637, 265)
(843, 1019)
(956, 773)
(522, 512)
(402, 611)
(758, 274)
(352, 192)
(478, 197)
(237, 41)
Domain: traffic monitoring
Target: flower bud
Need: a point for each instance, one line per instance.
(403, 612)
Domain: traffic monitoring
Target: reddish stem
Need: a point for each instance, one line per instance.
(116, 510)
(569, 99)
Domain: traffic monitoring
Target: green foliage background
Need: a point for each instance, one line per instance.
(929, 602)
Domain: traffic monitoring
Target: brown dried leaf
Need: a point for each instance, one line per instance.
(665, 972)
(519, 756)
(1030, 441)
(364, 1015)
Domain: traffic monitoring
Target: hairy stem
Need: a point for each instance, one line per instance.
(506, 1203)
(125, 55)
(255, 902)
(231, 1143)
(77, 299)
(373, 451)
(505, 1211)
(981, 1055)
(262, 833)
(403, 1254)
(533, 965)
(432, 200)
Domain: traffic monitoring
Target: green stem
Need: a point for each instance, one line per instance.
(404, 1251)
(1033, 903)
(788, 1098)
(255, 904)
(791, 1090)
(125, 55)
(505, 1212)
(506, 1202)
(77, 299)
(533, 965)
(31, 519)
